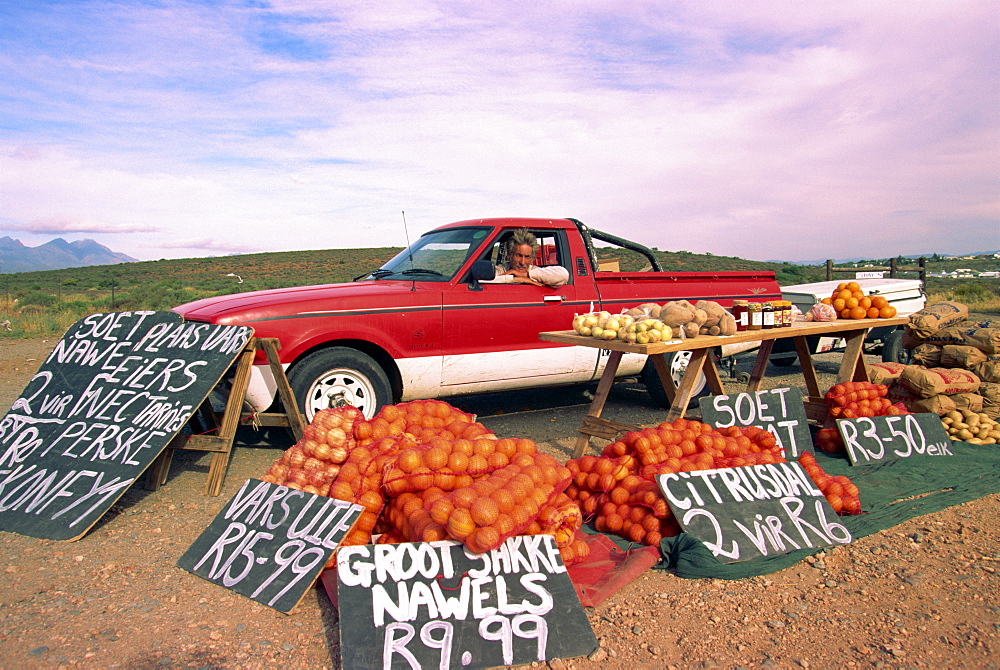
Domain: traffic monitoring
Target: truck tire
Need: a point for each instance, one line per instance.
(677, 363)
(892, 348)
(339, 376)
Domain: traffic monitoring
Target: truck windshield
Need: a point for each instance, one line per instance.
(436, 256)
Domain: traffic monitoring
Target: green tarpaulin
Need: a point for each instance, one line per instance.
(890, 494)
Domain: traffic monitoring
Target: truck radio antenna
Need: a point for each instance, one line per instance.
(406, 232)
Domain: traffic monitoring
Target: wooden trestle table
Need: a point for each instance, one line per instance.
(852, 366)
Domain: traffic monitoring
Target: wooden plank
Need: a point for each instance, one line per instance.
(852, 366)
(230, 420)
(605, 428)
(712, 377)
(806, 363)
(685, 391)
(293, 418)
(600, 397)
(799, 328)
(663, 372)
(760, 366)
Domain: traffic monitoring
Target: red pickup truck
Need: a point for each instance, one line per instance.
(429, 324)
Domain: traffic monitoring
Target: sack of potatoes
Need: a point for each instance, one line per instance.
(964, 425)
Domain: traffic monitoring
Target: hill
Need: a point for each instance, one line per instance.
(247, 272)
(56, 254)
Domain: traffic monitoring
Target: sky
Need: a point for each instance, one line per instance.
(794, 130)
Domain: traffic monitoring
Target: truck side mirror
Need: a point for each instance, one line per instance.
(482, 270)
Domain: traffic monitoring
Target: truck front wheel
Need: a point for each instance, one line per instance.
(336, 377)
(677, 363)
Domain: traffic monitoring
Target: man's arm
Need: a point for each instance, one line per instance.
(550, 275)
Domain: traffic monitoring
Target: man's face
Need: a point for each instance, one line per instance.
(522, 257)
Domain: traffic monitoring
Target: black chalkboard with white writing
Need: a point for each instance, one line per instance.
(436, 605)
(102, 406)
(778, 410)
(754, 510)
(270, 542)
(879, 439)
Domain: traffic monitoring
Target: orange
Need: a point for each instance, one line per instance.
(853, 286)
(851, 302)
(879, 301)
(839, 304)
(873, 312)
(887, 312)
(827, 301)
(845, 313)
(865, 302)
(844, 295)
(841, 286)
(858, 312)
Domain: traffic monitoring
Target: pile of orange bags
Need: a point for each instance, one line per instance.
(426, 471)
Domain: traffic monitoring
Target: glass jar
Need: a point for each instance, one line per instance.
(755, 316)
(767, 318)
(741, 313)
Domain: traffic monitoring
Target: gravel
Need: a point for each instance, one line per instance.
(921, 594)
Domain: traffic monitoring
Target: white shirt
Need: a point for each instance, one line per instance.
(550, 275)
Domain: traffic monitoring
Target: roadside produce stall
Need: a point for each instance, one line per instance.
(852, 367)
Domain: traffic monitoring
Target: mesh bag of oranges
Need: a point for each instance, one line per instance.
(426, 471)
(850, 302)
(619, 493)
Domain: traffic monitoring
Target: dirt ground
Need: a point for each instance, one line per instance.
(925, 593)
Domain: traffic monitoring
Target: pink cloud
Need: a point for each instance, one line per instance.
(206, 244)
(59, 224)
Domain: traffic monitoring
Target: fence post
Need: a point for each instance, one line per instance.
(923, 270)
(829, 269)
(892, 267)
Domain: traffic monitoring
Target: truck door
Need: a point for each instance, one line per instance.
(490, 337)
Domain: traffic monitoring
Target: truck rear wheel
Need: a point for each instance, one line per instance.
(892, 348)
(336, 377)
(677, 363)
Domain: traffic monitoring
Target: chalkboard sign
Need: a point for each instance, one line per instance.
(270, 542)
(102, 406)
(436, 605)
(754, 510)
(779, 411)
(890, 438)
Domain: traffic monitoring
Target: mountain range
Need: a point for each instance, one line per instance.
(55, 254)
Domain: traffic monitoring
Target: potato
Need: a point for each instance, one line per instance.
(727, 326)
(690, 329)
(700, 317)
(675, 314)
(714, 310)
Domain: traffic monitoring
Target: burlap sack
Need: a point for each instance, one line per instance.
(970, 401)
(986, 339)
(988, 371)
(937, 316)
(927, 382)
(909, 340)
(897, 393)
(961, 356)
(991, 399)
(928, 355)
(885, 372)
(938, 404)
(984, 335)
